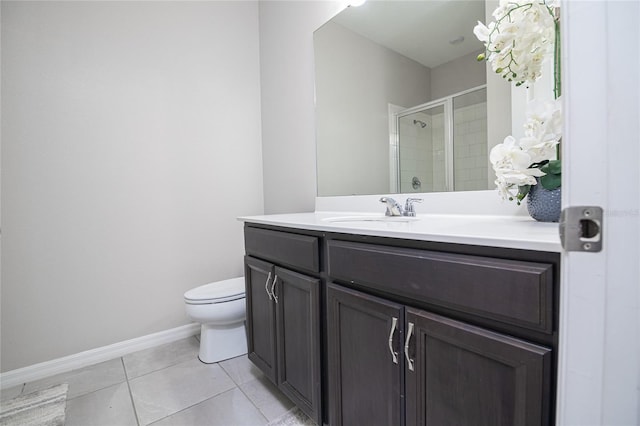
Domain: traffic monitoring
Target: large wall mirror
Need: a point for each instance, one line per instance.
(402, 104)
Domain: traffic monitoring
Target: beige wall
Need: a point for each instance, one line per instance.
(455, 76)
(287, 83)
(131, 141)
(356, 81)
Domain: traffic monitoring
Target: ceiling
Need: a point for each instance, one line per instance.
(419, 29)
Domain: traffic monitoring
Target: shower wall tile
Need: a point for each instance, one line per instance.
(470, 148)
(416, 153)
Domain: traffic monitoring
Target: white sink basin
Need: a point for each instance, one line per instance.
(370, 218)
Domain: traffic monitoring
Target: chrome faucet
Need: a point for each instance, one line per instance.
(395, 209)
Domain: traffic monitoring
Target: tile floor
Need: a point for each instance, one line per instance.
(167, 385)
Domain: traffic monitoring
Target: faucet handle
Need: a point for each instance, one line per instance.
(409, 209)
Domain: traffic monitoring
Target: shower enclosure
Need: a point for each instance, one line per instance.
(441, 145)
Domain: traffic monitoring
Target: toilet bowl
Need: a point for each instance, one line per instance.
(220, 308)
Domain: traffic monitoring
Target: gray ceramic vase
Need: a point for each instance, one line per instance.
(542, 204)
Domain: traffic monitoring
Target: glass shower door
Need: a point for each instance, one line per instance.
(422, 144)
(442, 145)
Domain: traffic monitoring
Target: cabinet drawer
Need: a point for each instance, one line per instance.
(298, 251)
(510, 291)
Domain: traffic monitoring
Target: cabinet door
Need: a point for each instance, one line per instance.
(365, 363)
(261, 335)
(297, 301)
(458, 374)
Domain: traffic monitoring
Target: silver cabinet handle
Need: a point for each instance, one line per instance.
(394, 324)
(406, 347)
(266, 285)
(273, 286)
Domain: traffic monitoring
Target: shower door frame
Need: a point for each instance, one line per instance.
(447, 102)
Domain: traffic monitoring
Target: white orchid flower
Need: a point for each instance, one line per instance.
(522, 36)
(544, 119)
(512, 160)
(539, 150)
(516, 45)
(481, 32)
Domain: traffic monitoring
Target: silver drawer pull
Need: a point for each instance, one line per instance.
(266, 285)
(273, 287)
(406, 347)
(394, 324)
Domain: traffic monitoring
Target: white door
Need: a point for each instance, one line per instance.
(599, 360)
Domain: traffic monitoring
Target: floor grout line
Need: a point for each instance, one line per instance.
(236, 386)
(133, 404)
(236, 379)
(255, 406)
(239, 387)
(191, 406)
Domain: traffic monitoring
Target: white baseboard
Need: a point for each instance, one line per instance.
(93, 356)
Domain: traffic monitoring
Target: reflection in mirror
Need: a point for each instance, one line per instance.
(442, 145)
(384, 65)
(421, 144)
(470, 161)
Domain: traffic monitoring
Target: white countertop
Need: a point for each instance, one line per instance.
(517, 232)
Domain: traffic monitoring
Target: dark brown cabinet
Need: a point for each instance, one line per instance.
(455, 373)
(283, 328)
(365, 386)
(261, 319)
(297, 300)
(358, 330)
(458, 374)
(391, 363)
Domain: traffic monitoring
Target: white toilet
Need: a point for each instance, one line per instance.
(220, 308)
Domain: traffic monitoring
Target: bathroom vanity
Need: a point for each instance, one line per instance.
(362, 320)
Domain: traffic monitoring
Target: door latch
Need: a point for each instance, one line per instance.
(581, 228)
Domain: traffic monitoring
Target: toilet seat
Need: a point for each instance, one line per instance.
(217, 292)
